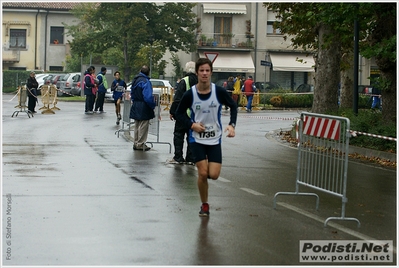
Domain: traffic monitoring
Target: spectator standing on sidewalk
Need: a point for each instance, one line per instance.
(142, 110)
(249, 89)
(102, 89)
(31, 86)
(237, 89)
(205, 101)
(180, 130)
(118, 87)
(89, 90)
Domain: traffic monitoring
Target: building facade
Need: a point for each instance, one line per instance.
(33, 35)
(238, 36)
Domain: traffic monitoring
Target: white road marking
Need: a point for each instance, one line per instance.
(251, 191)
(223, 179)
(332, 224)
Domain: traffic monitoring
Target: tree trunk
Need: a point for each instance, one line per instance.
(346, 95)
(388, 97)
(327, 76)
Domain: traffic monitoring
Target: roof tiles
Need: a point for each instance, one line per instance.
(41, 5)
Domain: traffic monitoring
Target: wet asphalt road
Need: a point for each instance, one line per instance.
(76, 194)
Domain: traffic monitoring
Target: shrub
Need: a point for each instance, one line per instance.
(370, 121)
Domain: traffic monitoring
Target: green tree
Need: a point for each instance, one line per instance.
(326, 30)
(128, 27)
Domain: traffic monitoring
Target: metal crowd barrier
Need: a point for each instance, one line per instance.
(166, 96)
(323, 158)
(126, 121)
(255, 101)
(154, 123)
(22, 97)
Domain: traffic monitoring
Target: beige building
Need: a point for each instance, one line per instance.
(33, 35)
(239, 36)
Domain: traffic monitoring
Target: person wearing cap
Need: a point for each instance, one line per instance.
(102, 89)
(249, 89)
(31, 86)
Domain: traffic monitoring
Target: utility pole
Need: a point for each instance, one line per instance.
(356, 66)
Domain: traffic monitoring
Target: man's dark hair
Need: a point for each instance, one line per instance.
(117, 72)
(145, 70)
(202, 61)
(103, 69)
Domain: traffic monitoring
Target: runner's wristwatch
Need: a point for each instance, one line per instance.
(233, 125)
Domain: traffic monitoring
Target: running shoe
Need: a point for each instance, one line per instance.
(204, 212)
(173, 161)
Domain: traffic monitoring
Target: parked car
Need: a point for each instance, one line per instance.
(54, 80)
(304, 88)
(76, 88)
(156, 85)
(65, 83)
(266, 86)
(40, 80)
(50, 78)
(221, 82)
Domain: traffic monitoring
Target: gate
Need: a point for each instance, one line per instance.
(323, 158)
(22, 97)
(126, 121)
(154, 123)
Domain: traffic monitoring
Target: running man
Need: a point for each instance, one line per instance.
(205, 101)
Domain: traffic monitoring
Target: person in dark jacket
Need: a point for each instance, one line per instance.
(180, 130)
(118, 87)
(89, 85)
(31, 86)
(205, 101)
(142, 110)
(102, 89)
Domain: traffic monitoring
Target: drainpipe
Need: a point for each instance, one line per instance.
(256, 41)
(36, 38)
(45, 43)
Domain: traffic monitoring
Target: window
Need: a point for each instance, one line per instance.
(57, 35)
(17, 38)
(223, 27)
(56, 68)
(17, 68)
(270, 28)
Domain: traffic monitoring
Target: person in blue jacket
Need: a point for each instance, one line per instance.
(102, 89)
(142, 110)
(118, 88)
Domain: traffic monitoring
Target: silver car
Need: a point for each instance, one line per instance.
(66, 82)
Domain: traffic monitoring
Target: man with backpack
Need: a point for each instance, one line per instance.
(180, 131)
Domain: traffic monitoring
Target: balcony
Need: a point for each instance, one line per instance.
(10, 56)
(228, 41)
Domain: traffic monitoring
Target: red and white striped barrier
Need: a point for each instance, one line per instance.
(322, 127)
(354, 134)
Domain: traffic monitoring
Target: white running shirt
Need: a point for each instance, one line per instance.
(207, 112)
